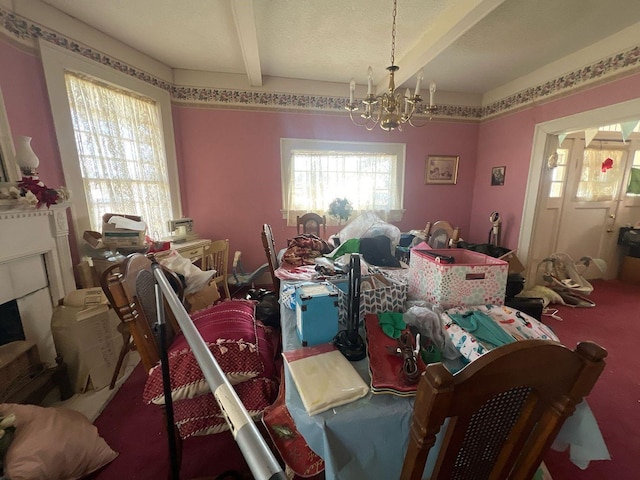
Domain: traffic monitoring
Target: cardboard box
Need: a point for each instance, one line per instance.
(114, 236)
(203, 298)
(630, 270)
(472, 279)
(86, 335)
(515, 265)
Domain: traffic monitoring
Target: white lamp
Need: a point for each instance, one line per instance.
(26, 158)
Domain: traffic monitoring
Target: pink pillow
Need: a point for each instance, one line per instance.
(242, 347)
(202, 415)
(53, 443)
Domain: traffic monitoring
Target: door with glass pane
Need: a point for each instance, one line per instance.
(586, 199)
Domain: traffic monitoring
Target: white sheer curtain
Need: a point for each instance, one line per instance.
(121, 150)
(370, 181)
(598, 183)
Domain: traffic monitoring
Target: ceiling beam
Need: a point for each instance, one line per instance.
(446, 29)
(245, 22)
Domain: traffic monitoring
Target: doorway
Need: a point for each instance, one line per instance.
(563, 214)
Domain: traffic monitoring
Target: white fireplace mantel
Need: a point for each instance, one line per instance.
(30, 238)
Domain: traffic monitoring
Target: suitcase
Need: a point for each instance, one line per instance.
(316, 313)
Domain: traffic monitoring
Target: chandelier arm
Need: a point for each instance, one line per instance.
(411, 122)
(368, 123)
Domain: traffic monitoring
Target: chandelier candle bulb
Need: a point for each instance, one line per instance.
(418, 82)
(352, 89)
(370, 81)
(432, 91)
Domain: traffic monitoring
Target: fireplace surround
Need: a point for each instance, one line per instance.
(36, 269)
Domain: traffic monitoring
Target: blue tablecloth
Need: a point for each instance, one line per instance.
(368, 438)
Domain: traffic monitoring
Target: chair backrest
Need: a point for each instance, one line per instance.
(442, 235)
(216, 257)
(310, 223)
(504, 409)
(120, 284)
(269, 245)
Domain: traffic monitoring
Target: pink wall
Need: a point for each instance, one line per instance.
(229, 161)
(508, 140)
(230, 171)
(27, 103)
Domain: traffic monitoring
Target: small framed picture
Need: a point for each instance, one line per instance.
(497, 175)
(441, 169)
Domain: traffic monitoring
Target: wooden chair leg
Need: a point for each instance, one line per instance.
(126, 346)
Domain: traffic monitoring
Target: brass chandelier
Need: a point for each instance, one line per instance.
(392, 109)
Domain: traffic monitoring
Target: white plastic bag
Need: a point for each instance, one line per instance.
(195, 278)
(368, 225)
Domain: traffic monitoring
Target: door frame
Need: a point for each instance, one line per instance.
(544, 138)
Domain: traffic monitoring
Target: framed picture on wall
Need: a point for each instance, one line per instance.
(497, 175)
(441, 169)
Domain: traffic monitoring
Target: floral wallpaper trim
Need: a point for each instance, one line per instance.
(27, 32)
(624, 61)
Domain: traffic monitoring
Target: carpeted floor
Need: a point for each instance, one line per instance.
(614, 323)
(137, 430)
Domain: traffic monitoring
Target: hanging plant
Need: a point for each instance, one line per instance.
(341, 209)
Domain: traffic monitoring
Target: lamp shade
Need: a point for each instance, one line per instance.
(26, 158)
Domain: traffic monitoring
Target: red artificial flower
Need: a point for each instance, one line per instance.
(45, 195)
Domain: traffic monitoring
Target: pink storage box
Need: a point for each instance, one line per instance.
(472, 279)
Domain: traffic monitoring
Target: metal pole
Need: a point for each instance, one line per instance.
(166, 385)
(261, 461)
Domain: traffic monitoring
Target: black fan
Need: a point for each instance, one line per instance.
(349, 341)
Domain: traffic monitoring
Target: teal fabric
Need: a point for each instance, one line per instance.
(391, 323)
(634, 182)
(482, 326)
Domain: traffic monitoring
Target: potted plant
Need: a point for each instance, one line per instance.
(341, 209)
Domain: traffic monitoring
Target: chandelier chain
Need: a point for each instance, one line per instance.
(393, 33)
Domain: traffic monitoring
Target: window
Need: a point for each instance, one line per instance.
(115, 135)
(598, 183)
(369, 175)
(121, 153)
(559, 174)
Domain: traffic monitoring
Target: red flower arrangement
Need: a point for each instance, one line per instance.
(33, 187)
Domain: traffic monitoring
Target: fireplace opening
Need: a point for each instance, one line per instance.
(10, 323)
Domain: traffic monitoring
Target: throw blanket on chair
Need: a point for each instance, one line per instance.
(303, 249)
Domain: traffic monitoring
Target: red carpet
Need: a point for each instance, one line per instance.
(136, 430)
(614, 323)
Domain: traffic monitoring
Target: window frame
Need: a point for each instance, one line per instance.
(287, 145)
(56, 61)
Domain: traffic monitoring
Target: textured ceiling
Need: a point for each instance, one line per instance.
(466, 46)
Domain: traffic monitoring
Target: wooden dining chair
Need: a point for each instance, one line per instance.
(216, 257)
(128, 345)
(504, 409)
(311, 223)
(442, 234)
(269, 245)
(119, 286)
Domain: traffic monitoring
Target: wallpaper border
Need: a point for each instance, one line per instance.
(27, 32)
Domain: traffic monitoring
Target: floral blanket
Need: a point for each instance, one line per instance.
(304, 249)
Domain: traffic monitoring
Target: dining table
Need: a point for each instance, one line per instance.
(368, 438)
